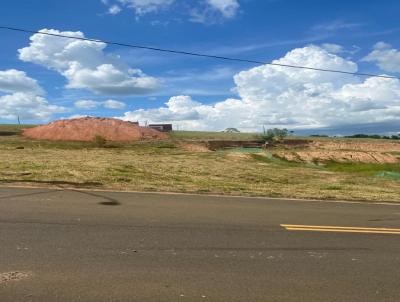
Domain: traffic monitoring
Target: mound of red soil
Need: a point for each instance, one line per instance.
(87, 128)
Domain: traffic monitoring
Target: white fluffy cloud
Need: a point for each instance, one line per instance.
(17, 81)
(85, 65)
(214, 11)
(86, 104)
(387, 58)
(114, 9)
(90, 104)
(189, 114)
(228, 8)
(200, 11)
(287, 97)
(26, 106)
(332, 48)
(113, 104)
(142, 7)
(22, 96)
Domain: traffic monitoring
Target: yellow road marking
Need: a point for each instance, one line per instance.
(316, 228)
(342, 231)
(336, 227)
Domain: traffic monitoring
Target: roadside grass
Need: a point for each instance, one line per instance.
(166, 166)
(269, 158)
(12, 129)
(16, 141)
(362, 168)
(15, 127)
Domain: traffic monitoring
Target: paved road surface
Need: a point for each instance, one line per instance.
(97, 246)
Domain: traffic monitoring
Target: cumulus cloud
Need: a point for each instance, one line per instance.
(85, 65)
(286, 97)
(332, 48)
(228, 8)
(22, 96)
(385, 56)
(179, 108)
(114, 9)
(26, 106)
(113, 104)
(214, 11)
(90, 104)
(189, 114)
(200, 11)
(86, 104)
(142, 7)
(339, 49)
(17, 81)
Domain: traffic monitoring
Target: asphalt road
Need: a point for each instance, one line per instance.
(62, 245)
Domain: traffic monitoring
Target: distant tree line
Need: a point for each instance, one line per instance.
(360, 135)
(377, 136)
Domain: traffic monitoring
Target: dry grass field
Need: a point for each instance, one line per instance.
(170, 166)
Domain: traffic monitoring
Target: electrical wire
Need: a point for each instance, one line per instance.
(196, 54)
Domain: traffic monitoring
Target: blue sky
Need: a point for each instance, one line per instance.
(206, 94)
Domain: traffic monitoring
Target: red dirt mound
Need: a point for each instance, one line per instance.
(87, 128)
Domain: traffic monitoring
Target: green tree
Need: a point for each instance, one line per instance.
(274, 134)
(280, 134)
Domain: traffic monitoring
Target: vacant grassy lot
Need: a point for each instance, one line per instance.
(204, 135)
(12, 129)
(167, 166)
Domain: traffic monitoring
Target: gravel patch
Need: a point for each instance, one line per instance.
(13, 276)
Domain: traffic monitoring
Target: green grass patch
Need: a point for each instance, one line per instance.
(262, 158)
(14, 142)
(332, 187)
(390, 175)
(241, 150)
(362, 168)
(12, 129)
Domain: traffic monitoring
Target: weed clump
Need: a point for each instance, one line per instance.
(99, 141)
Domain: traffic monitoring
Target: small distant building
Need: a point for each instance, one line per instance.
(161, 127)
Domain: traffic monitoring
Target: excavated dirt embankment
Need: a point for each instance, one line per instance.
(87, 128)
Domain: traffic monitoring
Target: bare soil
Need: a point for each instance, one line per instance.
(87, 128)
(387, 146)
(338, 156)
(380, 152)
(195, 147)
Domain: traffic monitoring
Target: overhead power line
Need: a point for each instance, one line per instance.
(196, 54)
